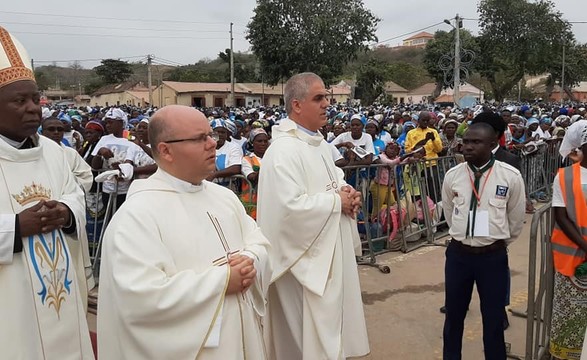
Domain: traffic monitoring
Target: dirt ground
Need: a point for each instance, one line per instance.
(402, 308)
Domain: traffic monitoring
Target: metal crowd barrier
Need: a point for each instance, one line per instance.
(411, 223)
(540, 167)
(540, 286)
(404, 214)
(534, 172)
(248, 198)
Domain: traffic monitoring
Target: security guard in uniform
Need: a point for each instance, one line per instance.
(484, 205)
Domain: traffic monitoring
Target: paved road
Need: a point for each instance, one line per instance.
(402, 308)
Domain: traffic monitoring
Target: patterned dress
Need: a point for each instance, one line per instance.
(569, 314)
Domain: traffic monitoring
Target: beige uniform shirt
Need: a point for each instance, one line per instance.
(502, 194)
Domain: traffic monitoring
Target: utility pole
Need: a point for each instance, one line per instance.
(563, 76)
(33, 64)
(457, 71)
(262, 90)
(149, 79)
(232, 100)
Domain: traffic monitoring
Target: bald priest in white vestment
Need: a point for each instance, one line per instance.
(42, 209)
(184, 269)
(307, 212)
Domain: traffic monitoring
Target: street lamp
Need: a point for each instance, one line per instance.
(457, 69)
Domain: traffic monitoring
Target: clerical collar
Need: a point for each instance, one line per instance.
(179, 184)
(495, 150)
(14, 144)
(309, 132)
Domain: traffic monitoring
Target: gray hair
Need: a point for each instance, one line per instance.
(296, 88)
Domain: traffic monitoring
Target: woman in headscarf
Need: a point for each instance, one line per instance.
(401, 140)
(531, 127)
(94, 131)
(238, 134)
(144, 163)
(569, 246)
(251, 164)
(229, 155)
(560, 126)
(372, 128)
(450, 143)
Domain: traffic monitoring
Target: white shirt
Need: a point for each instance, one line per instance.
(228, 155)
(246, 167)
(365, 142)
(542, 134)
(557, 193)
(123, 150)
(72, 141)
(502, 195)
(336, 155)
(572, 138)
(385, 137)
(240, 141)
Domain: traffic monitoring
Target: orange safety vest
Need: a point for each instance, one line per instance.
(568, 255)
(248, 195)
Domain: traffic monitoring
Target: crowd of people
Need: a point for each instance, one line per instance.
(223, 273)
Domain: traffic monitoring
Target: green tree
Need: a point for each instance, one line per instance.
(575, 63)
(371, 81)
(42, 79)
(288, 37)
(407, 75)
(114, 71)
(441, 50)
(245, 66)
(511, 47)
(92, 86)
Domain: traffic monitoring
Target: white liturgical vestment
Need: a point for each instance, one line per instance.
(161, 296)
(82, 173)
(315, 307)
(40, 304)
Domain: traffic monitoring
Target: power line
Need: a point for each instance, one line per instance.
(166, 62)
(88, 60)
(112, 18)
(111, 28)
(118, 36)
(408, 33)
(570, 22)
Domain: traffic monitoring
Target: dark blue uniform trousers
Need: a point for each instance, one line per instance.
(489, 271)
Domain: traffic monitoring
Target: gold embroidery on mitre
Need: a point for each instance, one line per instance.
(10, 49)
(10, 75)
(17, 69)
(34, 192)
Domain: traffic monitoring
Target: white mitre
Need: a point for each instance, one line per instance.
(15, 63)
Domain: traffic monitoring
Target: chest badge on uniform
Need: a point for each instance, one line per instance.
(501, 191)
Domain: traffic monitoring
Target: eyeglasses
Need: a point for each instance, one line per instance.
(53, 129)
(198, 139)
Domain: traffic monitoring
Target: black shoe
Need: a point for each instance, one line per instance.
(506, 322)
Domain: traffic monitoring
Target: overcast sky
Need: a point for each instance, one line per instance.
(183, 32)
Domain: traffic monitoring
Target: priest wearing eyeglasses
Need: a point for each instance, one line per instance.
(184, 269)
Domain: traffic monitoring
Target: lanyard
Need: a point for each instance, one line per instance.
(478, 194)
